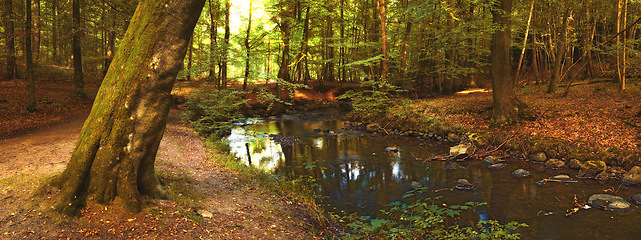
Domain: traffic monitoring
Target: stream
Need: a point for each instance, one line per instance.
(357, 172)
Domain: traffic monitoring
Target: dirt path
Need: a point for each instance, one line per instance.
(223, 207)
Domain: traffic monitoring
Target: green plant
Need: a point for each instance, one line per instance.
(373, 103)
(211, 112)
(423, 219)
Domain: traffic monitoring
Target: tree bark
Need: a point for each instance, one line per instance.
(213, 39)
(328, 68)
(223, 67)
(36, 30)
(385, 61)
(505, 102)
(10, 37)
(31, 89)
(448, 81)
(285, 29)
(116, 150)
(527, 31)
(247, 48)
(190, 57)
(54, 33)
(560, 53)
(111, 45)
(78, 82)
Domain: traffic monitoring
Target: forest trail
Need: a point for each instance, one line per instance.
(206, 200)
(42, 151)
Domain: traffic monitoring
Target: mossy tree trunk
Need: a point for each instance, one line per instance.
(506, 106)
(116, 150)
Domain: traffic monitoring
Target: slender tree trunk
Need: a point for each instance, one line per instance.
(213, 40)
(247, 48)
(527, 31)
(10, 38)
(285, 28)
(111, 45)
(623, 50)
(535, 60)
(328, 69)
(560, 53)
(302, 57)
(54, 33)
(31, 88)
(190, 57)
(448, 84)
(384, 41)
(116, 149)
(78, 81)
(223, 68)
(504, 108)
(36, 30)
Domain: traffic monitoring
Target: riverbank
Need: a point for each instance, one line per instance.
(593, 121)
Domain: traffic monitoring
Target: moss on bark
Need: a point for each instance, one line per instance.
(116, 150)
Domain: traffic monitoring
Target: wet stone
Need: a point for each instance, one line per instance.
(497, 166)
(520, 173)
(632, 177)
(592, 168)
(574, 164)
(391, 150)
(538, 157)
(490, 160)
(373, 127)
(608, 202)
(463, 184)
(554, 163)
(562, 177)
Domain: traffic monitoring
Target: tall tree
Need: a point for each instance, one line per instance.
(223, 68)
(116, 150)
(10, 38)
(31, 88)
(328, 68)
(36, 29)
(247, 48)
(78, 82)
(54, 33)
(285, 29)
(506, 106)
(560, 53)
(213, 39)
(383, 41)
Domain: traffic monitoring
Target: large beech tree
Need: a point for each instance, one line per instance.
(116, 150)
(506, 105)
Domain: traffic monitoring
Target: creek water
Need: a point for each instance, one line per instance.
(359, 173)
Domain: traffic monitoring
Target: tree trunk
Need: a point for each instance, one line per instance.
(223, 67)
(213, 39)
(535, 60)
(10, 37)
(301, 65)
(527, 31)
(384, 41)
(247, 48)
(54, 33)
(448, 83)
(624, 23)
(36, 30)
(31, 89)
(116, 150)
(560, 53)
(285, 28)
(190, 57)
(328, 69)
(111, 45)
(78, 82)
(505, 102)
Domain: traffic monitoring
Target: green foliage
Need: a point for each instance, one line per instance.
(423, 219)
(373, 103)
(211, 112)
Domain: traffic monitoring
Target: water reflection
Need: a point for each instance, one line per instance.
(357, 175)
